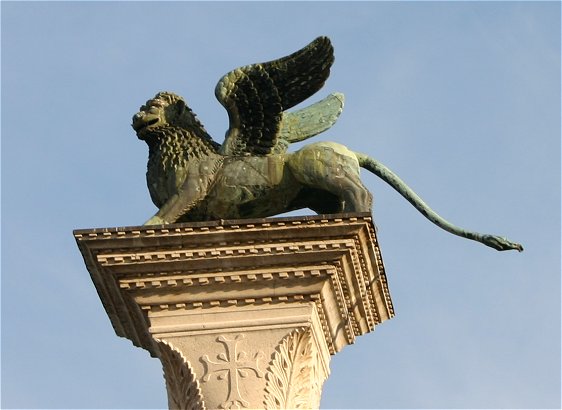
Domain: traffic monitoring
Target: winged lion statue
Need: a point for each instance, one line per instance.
(251, 174)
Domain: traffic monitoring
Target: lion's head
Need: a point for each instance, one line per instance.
(165, 109)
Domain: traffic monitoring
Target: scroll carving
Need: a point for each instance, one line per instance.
(292, 378)
(183, 388)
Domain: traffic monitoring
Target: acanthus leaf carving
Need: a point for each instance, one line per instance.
(184, 392)
(291, 376)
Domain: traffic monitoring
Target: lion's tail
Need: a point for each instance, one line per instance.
(380, 170)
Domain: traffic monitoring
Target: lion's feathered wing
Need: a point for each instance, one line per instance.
(256, 95)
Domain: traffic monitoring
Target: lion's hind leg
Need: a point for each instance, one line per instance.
(333, 168)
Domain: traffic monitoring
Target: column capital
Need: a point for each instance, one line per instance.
(232, 300)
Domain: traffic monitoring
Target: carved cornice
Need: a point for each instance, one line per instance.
(332, 261)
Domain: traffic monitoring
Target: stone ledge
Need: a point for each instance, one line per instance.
(332, 261)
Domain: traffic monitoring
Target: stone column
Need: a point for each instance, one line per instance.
(242, 314)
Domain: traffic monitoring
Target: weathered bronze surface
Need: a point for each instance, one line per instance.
(251, 175)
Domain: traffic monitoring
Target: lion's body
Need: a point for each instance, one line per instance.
(322, 176)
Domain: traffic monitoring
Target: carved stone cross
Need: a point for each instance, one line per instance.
(232, 365)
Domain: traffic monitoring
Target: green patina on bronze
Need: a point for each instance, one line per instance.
(251, 175)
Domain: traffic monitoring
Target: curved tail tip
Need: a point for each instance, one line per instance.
(514, 246)
(501, 244)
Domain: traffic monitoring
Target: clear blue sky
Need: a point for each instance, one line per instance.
(462, 100)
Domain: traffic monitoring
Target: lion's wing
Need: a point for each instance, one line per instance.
(256, 95)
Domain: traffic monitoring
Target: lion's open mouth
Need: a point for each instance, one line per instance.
(140, 125)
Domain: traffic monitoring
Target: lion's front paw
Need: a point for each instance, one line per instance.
(155, 220)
